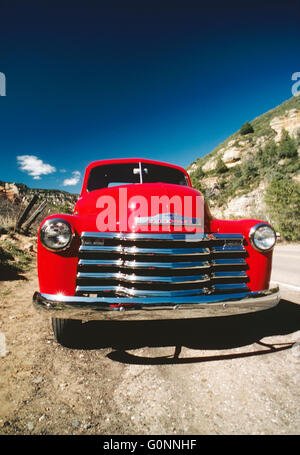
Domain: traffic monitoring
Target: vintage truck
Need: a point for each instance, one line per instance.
(142, 244)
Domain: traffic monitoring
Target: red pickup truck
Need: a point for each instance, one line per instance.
(142, 244)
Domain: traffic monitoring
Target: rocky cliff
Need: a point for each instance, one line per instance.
(18, 191)
(241, 176)
(14, 197)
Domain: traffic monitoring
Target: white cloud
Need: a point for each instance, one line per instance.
(73, 180)
(34, 166)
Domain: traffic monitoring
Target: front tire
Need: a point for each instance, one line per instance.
(65, 330)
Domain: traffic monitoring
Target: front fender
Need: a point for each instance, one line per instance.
(57, 270)
(259, 264)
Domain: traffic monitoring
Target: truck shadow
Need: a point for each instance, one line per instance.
(198, 334)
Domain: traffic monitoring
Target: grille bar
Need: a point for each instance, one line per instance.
(133, 250)
(143, 265)
(231, 274)
(146, 279)
(123, 291)
(229, 262)
(160, 237)
(228, 249)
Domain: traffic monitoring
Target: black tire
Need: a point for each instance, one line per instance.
(65, 330)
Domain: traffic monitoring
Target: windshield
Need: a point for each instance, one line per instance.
(109, 175)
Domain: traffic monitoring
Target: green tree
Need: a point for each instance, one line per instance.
(287, 146)
(221, 168)
(246, 128)
(268, 156)
(283, 201)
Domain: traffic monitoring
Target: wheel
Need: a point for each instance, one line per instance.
(65, 330)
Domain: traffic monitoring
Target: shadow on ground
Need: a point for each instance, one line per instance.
(13, 263)
(199, 334)
(11, 272)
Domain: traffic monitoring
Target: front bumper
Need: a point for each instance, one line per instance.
(197, 306)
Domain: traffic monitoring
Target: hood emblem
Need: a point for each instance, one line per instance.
(172, 219)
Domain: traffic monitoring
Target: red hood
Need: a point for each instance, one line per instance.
(130, 202)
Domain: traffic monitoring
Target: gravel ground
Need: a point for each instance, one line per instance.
(231, 375)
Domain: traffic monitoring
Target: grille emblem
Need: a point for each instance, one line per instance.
(172, 219)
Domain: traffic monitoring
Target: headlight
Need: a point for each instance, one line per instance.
(262, 237)
(56, 234)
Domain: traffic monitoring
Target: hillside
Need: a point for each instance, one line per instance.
(14, 197)
(256, 171)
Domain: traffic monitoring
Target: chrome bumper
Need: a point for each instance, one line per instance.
(197, 306)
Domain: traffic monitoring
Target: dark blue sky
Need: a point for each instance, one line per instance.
(162, 80)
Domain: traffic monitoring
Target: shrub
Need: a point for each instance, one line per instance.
(246, 128)
(287, 146)
(283, 201)
(268, 156)
(221, 168)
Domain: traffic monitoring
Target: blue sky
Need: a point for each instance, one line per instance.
(162, 80)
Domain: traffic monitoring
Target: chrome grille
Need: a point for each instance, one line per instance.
(121, 264)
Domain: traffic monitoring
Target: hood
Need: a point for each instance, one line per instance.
(148, 207)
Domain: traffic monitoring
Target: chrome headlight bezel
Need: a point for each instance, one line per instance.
(43, 233)
(254, 241)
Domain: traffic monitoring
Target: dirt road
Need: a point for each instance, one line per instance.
(234, 375)
(286, 266)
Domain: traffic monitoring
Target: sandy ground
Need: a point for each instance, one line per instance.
(234, 375)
